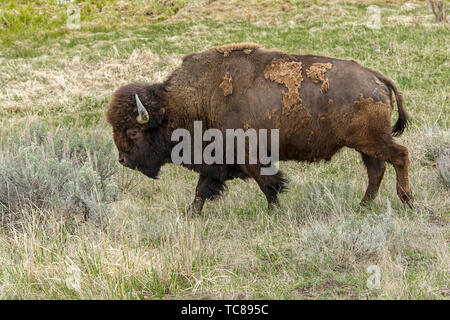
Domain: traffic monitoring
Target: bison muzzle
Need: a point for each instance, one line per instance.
(319, 104)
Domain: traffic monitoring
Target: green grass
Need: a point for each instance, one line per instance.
(47, 19)
(147, 248)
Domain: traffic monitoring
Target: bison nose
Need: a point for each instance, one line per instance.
(121, 160)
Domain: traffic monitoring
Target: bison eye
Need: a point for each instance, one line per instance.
(132, 133)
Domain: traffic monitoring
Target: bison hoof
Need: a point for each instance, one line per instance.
(196, 207)
(366, 201)
(407, 199)
(274, 205)
(192, 212)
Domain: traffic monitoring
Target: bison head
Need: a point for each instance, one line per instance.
(137, 116)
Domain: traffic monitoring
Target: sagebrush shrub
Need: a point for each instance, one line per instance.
(354, 238)
(435, 141)
(59, 169)
(443, 168)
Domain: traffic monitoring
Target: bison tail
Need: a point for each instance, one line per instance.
(402, 121)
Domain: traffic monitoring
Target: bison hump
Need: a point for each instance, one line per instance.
(247, 48)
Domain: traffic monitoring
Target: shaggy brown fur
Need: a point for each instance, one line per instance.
(227, 87)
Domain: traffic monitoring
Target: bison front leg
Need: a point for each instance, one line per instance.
(196, 206)
(270, 185)
(207, 189)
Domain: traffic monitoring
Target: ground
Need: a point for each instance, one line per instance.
(132, 240)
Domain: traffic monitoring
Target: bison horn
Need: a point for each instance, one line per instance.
(143, 116)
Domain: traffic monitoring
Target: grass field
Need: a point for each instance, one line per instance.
(76, 226)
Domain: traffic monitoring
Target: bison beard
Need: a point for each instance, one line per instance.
(319, 104)
(149, 172)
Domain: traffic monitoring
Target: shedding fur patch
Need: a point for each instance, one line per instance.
(288, 73)
(228, 48)
(317, 74)
(226, 85)
(368, 104)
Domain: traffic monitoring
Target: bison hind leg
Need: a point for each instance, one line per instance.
(375, 171)
(397, 155)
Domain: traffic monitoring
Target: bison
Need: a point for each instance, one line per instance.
(318, 104)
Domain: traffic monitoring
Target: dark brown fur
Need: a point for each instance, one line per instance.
(353, 110)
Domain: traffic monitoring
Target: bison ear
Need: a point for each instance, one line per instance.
(156, 107)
